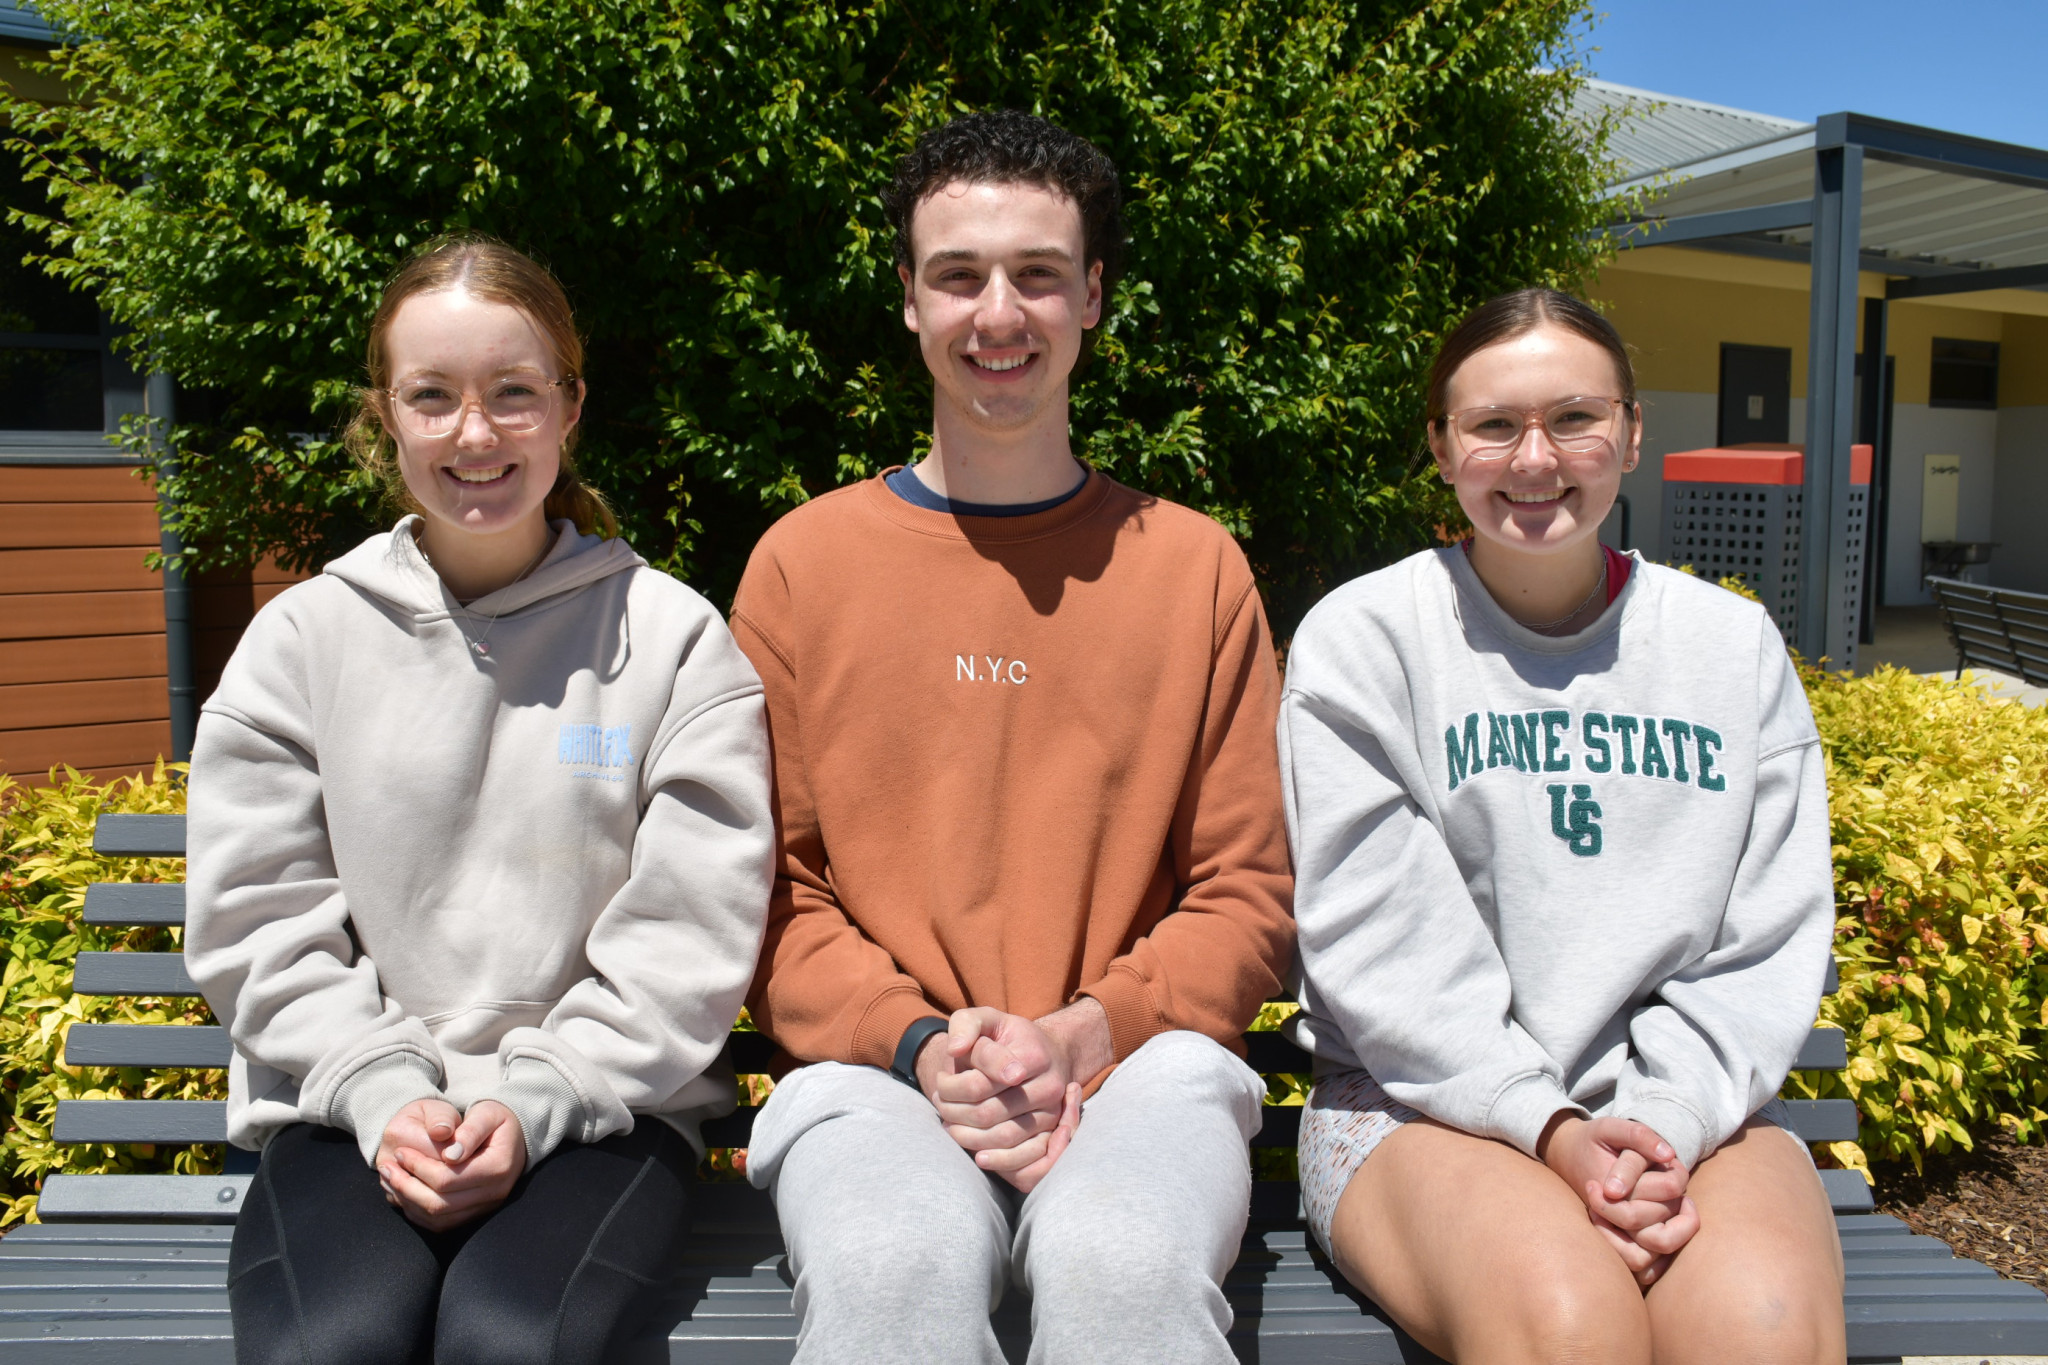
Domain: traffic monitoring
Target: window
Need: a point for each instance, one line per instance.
(51, 372)
(1965, 374)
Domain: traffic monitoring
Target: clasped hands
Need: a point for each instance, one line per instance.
(1632, 1184)
(1008, 1089)
(442, 1168)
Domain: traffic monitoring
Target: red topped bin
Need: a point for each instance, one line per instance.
(1734, 512)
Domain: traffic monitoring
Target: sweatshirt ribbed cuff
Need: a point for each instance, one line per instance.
(1676, 1123)
(367, 1101)
(1521, 1111)
(881, 1028)
(1133, 1021)
(546, 1105)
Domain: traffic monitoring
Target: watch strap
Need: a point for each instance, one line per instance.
(904, 1068)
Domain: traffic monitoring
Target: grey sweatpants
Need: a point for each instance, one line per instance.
(901, 1246)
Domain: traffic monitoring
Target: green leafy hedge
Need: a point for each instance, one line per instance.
(1316, 189)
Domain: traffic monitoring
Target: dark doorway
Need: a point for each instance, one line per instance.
(1756, 395)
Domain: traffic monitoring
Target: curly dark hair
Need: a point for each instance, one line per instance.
(1009, 146)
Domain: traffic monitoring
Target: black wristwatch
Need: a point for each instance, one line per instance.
(904, 1068)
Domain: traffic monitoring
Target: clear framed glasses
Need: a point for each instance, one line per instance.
(1577, 425)
(431, 408)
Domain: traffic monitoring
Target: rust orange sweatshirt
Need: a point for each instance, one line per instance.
(1019, 760)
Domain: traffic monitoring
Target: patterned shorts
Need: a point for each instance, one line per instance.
(1348, 1115)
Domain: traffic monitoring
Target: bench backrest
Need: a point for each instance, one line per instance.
(1995, 628)
(218, 1198)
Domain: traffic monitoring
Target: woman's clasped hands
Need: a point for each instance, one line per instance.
(1632, 1184)
(442, 1168)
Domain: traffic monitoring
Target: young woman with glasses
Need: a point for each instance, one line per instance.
(480, 857)
(1561, 851)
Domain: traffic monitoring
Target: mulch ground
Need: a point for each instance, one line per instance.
(1990, 1204)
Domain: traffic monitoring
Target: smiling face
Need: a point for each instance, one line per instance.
(1541, 499)
(476, 480)
(999, 299)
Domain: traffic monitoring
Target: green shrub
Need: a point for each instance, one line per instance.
(1939, 799)
(46, 862)
(1316, 189)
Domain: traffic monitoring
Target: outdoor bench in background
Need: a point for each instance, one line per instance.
(1995, 628)
(133, 1268)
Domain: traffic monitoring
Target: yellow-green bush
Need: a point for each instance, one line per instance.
(46, 862)
(1939, 798)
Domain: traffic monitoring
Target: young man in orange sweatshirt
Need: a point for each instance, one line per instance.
(1034, 876)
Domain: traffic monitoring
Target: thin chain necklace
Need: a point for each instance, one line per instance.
(482, 650)
(1541, 626)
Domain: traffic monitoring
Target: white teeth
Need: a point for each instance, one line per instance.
(480, 475)
(1549, 495)
(999, 365)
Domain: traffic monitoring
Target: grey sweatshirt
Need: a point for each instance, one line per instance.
(538, 876)
(1534, 874)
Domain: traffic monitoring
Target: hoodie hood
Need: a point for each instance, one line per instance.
(392, 567)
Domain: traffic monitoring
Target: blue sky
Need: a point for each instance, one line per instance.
(1969, 66)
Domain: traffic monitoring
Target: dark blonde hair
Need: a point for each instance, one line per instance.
(487, 269)
(1507, 316)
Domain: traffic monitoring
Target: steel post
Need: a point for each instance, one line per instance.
(1874, 417)
(1830, 564)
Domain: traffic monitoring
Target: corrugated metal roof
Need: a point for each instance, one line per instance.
(1702, 158)
(19, 21)
(1661, 133)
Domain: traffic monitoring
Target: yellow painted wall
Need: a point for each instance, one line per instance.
(28, 84)
(1676, 326)
(1675, 307)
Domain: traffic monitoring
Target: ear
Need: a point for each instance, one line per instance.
(1091, 312)
(572, 408)
(909, 297)
(1634, 456)
(1440, 452)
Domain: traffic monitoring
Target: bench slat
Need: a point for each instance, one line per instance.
(132, 974)
(172, 1121)
(749, 1053)
(1825, 1049)
(1848, 1192)
(147, 1045)
(148, 1198)
(1823, 1120)
(137, 836)
(135, 903)
(734, 1130)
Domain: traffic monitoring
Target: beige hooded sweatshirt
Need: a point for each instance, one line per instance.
(536, 873)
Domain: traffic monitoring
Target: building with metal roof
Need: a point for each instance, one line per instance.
(1761, 258)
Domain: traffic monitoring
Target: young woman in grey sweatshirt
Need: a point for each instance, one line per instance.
(1560, 834)
(481, 848)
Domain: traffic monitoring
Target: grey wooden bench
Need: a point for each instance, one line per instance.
(133, 1268)
(1995, 628)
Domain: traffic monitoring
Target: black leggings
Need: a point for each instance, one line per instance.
(323, 1270)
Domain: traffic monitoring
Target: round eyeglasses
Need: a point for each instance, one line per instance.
(430, 408)
(1576, 425)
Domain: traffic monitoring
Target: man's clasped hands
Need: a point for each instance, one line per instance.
(1008, 1088)
(1632, 1184)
